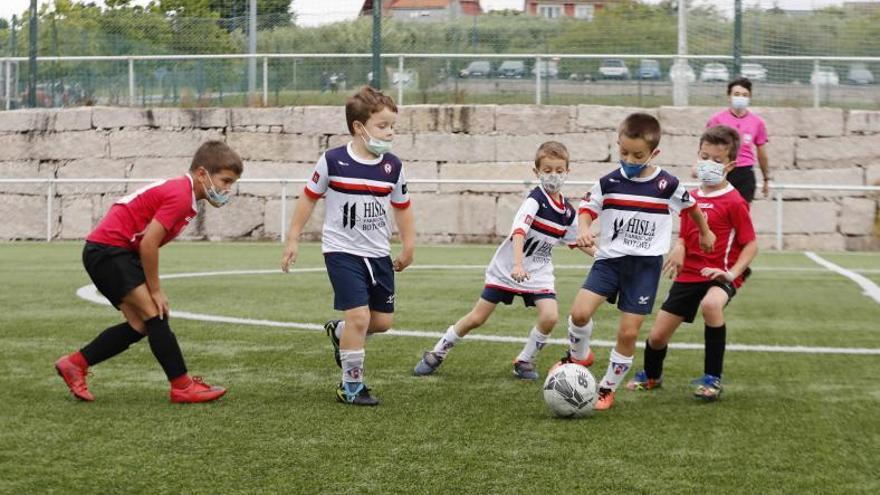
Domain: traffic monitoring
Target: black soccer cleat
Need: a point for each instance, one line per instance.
(356, 394)
(330, 328)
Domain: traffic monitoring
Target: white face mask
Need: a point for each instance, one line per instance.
(552, 183)
(215, 197)
(710, 172)
(739, 102)
(376, 146)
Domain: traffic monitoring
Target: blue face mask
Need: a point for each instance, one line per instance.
(631, 170)
(216, 198)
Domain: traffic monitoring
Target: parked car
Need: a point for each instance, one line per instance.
(649, 69)
(714, 71)
(859, 74)
(477, 68)
(548, 68)
(824, 75)
(687, 73)
(755, 72)
(613, 68)
(511, 69)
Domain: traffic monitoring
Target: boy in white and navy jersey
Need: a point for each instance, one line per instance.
(362, 183)
(522, 265)
(634, 204)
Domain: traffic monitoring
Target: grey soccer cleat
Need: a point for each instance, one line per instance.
(428, 364)
(524, 370)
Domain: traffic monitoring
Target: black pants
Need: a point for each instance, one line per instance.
(743, 180)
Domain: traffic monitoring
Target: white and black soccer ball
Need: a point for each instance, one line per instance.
(570, 391)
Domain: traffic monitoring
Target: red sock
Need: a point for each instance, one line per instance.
(78, 359)
(181, 381)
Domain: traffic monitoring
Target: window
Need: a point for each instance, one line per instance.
(585, 12)
(550, 11)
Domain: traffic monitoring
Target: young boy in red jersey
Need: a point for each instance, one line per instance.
(705, 281)
(121, 257)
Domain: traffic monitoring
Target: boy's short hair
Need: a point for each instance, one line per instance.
(642, 126)
(721, 134)
(551, 149)
(740, 81)
(215, 156)
(364, 103)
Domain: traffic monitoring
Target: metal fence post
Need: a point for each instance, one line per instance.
(283, 211)
(131, 96)
(399, 80)
(537, 80)
(8, 83)
(779, 220)
(265, 81)
(818, 77)
(50, 194)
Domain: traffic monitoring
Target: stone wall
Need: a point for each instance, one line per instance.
(808, 146)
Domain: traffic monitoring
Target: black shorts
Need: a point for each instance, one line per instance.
(497, 295)
(743, 180)
(113, 270)
(684, 298)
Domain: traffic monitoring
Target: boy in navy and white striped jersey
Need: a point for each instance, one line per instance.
(634, 204)
(522, 265)
(361, 182)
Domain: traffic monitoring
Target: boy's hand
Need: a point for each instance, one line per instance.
(674, 261)
(585, 238)
(707, 242)
(403, 260)
(161, 303)
(289, 257)
(717, 274)
(519, 274)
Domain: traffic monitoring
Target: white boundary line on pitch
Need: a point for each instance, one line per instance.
(90, 293)
(870, 288)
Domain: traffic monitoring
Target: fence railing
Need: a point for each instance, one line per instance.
(405, 68)
(777, 191)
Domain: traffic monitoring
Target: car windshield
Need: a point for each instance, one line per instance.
(715, 66)
(650, 64)
(825, 68)
(752, 67)
(613, 63)
(858, 67)
(511, 65)
(478, 66)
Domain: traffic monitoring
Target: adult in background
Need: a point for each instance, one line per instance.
(753, 137)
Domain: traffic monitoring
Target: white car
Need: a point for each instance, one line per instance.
(548, 68)
(754, 72)
(613, 68)
(687, 74)
(714, 71)
(824, 75)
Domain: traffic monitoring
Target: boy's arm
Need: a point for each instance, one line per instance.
(675, 260)
(707, 237)
(764, 163)
(406, 226)
(518, 273)
(748, 253)
(585, 237)
(305, 205)
(149, 253)
(589, 250)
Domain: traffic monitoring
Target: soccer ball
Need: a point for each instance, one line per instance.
(570, 391)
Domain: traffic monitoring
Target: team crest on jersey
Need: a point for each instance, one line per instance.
(529, 219)
(662, 184)
(316, 177)
(387, 168)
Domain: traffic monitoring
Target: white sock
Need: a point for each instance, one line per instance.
(618, 366)
(536, 342)
(338, 331)
(579, 339)
(352, 365)
(446, 342)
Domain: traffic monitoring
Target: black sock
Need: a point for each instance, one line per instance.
(110, 342)
(654, 360)
(164, 345)
(716, 339)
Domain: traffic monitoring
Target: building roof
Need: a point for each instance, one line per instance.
(469, 7)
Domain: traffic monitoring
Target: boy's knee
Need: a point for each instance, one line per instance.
(548, 320)
(580, 318)
(380, 324)
(712, 307)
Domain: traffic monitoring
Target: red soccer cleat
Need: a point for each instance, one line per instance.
(586, 363)
(75, 378)
(606, 399)
(197, 391)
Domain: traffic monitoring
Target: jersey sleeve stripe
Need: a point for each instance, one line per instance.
(592, 213)
(312, 194)
(401, 206)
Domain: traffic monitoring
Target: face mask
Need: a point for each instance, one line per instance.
(631, 170)
(552, 183)
(710, 172)
(376, 146)
(216, 198)
(739, 102)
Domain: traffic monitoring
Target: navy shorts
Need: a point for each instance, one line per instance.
(113, 270)
(358, 281)
(497, 295)
(684, 298)
(630, 280)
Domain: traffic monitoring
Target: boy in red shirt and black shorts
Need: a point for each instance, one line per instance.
(705, 281)
(121, 257)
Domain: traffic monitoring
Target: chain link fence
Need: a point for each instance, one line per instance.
(619, 55)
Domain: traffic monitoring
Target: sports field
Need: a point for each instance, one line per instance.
(789, 422)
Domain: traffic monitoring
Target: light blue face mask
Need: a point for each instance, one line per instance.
(632, 170)
(376, 146)
(216, 198)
